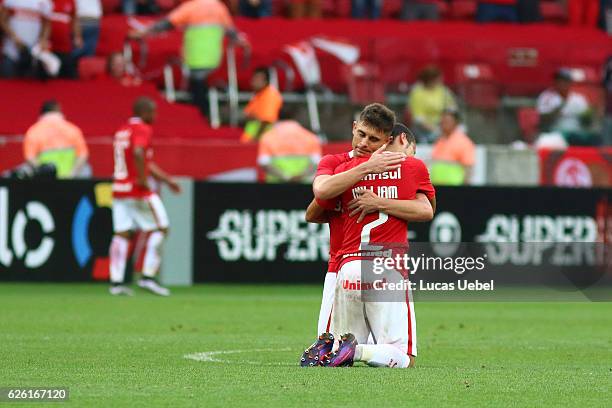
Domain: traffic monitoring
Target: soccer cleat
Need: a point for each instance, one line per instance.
(343, 357)
(120, 290)
(313, 355)
(153, 287)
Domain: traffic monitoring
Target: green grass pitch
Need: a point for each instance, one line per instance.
(130, 351)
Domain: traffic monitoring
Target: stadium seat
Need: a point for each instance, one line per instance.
(91, 67)
(443, 9)
(166, 5)
(477, 86)
(594, 94)
(473, 72)
(553, 11)
(528, 121)
(110, 6)
(391, 8)
(364, 85)
(462, 9)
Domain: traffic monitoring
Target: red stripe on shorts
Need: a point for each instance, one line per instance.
(409, 324)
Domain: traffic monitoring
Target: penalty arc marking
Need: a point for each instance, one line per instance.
(211, 356)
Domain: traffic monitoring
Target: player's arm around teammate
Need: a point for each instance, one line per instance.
(316, 214)
(417, 210)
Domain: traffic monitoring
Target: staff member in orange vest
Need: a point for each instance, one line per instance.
(205, 23)
(263, 108)
(57, 141)
(288, 153)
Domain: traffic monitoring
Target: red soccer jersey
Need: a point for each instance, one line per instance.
(379, 228)
(134, 134)
(61, 25)
(327, 166)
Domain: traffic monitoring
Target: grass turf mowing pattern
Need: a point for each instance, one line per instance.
(114, 351)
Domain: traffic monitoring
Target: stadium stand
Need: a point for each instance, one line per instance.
(511, 61)
(522, 57)
(100, 107)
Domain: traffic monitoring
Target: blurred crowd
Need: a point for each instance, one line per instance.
(47, 38)
(589, 13)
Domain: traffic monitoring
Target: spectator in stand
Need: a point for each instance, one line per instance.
(583, 13)
(361, 9)
(426, 102)
(25, 24)
(131, 7)
(205, 23)
(255, 8)
(305, 9)
(489, 11)
(607, 121)
(419, 10)
(453, 154)
(54, 140)
(288, 153)
(65, 30)
(116, 69)
(89, 13)
(565, 113)
(263, 109)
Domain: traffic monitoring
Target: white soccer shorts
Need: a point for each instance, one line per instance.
(391, 322)
(145, 214)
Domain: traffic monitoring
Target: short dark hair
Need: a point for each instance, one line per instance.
(379, 117)
(454, 113)
(400, 128)
(49, 106)
(263, 70)
(143, 105)
(429, 73)
(563, 74)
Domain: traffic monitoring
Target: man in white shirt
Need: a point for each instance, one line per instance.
(562, 110)
(25, 24)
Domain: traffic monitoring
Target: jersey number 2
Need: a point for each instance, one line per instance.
(367, 229)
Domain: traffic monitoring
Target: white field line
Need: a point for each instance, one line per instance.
(210, 356)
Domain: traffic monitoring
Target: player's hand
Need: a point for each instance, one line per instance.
(366, 203)
(381, 160)
(174, 186)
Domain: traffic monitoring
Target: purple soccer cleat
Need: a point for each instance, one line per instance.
(343, 357)
(313, 355)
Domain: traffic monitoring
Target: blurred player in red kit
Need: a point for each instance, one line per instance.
(136, 207)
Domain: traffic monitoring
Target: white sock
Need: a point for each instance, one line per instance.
(381, 355)
(118, 257)
(327, 302)
(152, 258)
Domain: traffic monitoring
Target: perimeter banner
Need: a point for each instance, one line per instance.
(257, 233)
(54, 230)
